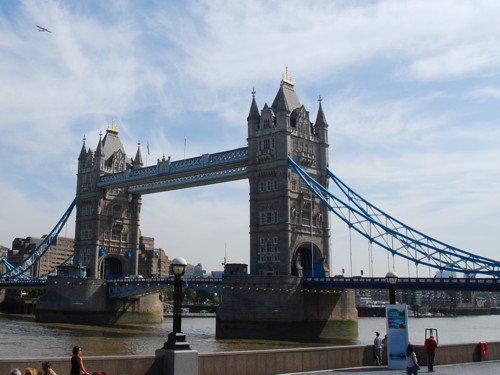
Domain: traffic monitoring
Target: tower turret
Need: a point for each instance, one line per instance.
(107, 221)
(321, 125)
(137, 162)
(289, 232)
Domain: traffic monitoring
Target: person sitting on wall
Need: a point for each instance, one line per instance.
(47, 369)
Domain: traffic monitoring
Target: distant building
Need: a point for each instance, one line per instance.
(189, 272)
(61, 249)
(217, 274)
(152, 262)
(59, 252)
(199, 271)
(4, 251)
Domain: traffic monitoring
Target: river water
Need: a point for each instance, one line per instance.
(22, 337)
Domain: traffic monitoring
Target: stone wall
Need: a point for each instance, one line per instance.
(258, 362)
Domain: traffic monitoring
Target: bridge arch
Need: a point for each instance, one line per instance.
(307, 263)
(112, 267)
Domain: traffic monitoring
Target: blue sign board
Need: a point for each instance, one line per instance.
(397, 335)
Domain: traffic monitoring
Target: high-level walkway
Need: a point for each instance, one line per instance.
(473, 368)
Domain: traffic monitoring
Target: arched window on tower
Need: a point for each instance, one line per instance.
(117, 211)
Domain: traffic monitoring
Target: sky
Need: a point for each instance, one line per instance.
(410, 90)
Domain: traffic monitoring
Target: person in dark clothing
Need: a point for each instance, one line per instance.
(430, 345)
(77, 367)
(377, 348)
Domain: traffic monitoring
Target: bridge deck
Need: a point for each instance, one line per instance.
(165, 175)
(127, 288)
(416, 283)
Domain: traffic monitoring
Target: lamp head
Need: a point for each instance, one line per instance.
(178, 266)
(391, 278)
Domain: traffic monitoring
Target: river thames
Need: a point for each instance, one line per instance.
(22, 337)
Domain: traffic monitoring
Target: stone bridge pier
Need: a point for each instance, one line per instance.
(84, 301)
(278, 307)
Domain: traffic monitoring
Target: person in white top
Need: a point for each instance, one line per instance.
(412, 366)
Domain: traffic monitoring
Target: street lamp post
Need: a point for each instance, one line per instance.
(392, 279)
(176, 339)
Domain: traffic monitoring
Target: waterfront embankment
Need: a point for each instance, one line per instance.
(261, 362)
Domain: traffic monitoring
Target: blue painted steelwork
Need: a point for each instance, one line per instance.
(191, 181)
(404, 283)
(228, 163)
(134, 288)
(20, 270)
(393, 235)
(10, 267)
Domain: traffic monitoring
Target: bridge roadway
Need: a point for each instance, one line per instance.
(133, 288)
(166, 175)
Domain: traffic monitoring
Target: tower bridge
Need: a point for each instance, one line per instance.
(287, 166)
(289, 228)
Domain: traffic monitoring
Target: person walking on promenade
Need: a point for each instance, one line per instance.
(412, 366)
(15, 371)
(430, 345)
(47, 369)
(30, 371)
(77, 367)
(377, 348)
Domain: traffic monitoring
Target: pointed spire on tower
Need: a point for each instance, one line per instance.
(83, 152)
(320, 118)
(286, 99)
(138, 157)
(98, 150)
(254, 110)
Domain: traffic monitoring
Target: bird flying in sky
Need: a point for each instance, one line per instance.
(42, 29)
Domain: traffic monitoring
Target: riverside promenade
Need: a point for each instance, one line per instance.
(474, 368)
(450, 359)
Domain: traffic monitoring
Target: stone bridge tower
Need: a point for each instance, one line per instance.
(289, 228)
(107, 220)
(106, 245)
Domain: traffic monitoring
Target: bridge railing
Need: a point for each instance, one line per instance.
(27, 283)
(423, 283)
(133, 288)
